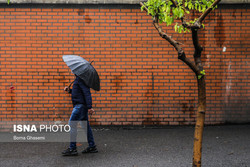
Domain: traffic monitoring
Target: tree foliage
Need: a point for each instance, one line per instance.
(167, 11)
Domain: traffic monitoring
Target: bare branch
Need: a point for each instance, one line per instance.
(175, 44)
(204, 15)
(161, 33)
(146, 9)
(178, 48)
(196, 44)
(198, 49)
(175, 4)
(189, 63)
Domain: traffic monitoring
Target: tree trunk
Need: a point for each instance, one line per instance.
(197, 69)
(200, 118)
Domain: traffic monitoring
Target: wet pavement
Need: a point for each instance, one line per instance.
(223, 146)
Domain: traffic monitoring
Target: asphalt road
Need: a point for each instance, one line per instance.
(223, 146)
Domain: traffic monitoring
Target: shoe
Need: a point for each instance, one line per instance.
(90, 150)
(70, 152)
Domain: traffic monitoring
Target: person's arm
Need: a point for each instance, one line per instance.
(67, 88)
(87, 94)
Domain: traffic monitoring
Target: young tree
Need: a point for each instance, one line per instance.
(169, 11)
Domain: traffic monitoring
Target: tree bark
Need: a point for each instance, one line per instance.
(199, 126)
(200, 116)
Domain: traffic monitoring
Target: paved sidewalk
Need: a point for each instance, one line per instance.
(223, 146)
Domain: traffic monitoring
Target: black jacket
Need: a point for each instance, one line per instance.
(81, 93)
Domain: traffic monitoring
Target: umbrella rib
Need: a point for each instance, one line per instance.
(83, 69)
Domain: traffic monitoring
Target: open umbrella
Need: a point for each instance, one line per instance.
(83, 69)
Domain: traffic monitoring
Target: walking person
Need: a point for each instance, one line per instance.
(82, 106)
(86, 77)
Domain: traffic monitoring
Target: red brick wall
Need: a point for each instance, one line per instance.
(142, 81)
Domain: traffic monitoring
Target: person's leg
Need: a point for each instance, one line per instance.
(92, 147)
(90, 136)
(74, 118)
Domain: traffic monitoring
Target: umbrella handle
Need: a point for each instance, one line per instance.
(69, 90)
(71, 84)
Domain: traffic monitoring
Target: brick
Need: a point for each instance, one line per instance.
(139, 70)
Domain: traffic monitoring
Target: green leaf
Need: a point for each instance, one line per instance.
(204, 2)
(163, 2)
(164, 8)
(168, 10)
(203, 72)
(179, 29)
(181, 13)
(175, 11)
(176, 27)
(190, 5)
(169, 20)
(142, 7)
(168, 13)
(186, 4)
(203, 8)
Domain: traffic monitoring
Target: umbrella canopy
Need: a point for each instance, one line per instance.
(83, 69)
